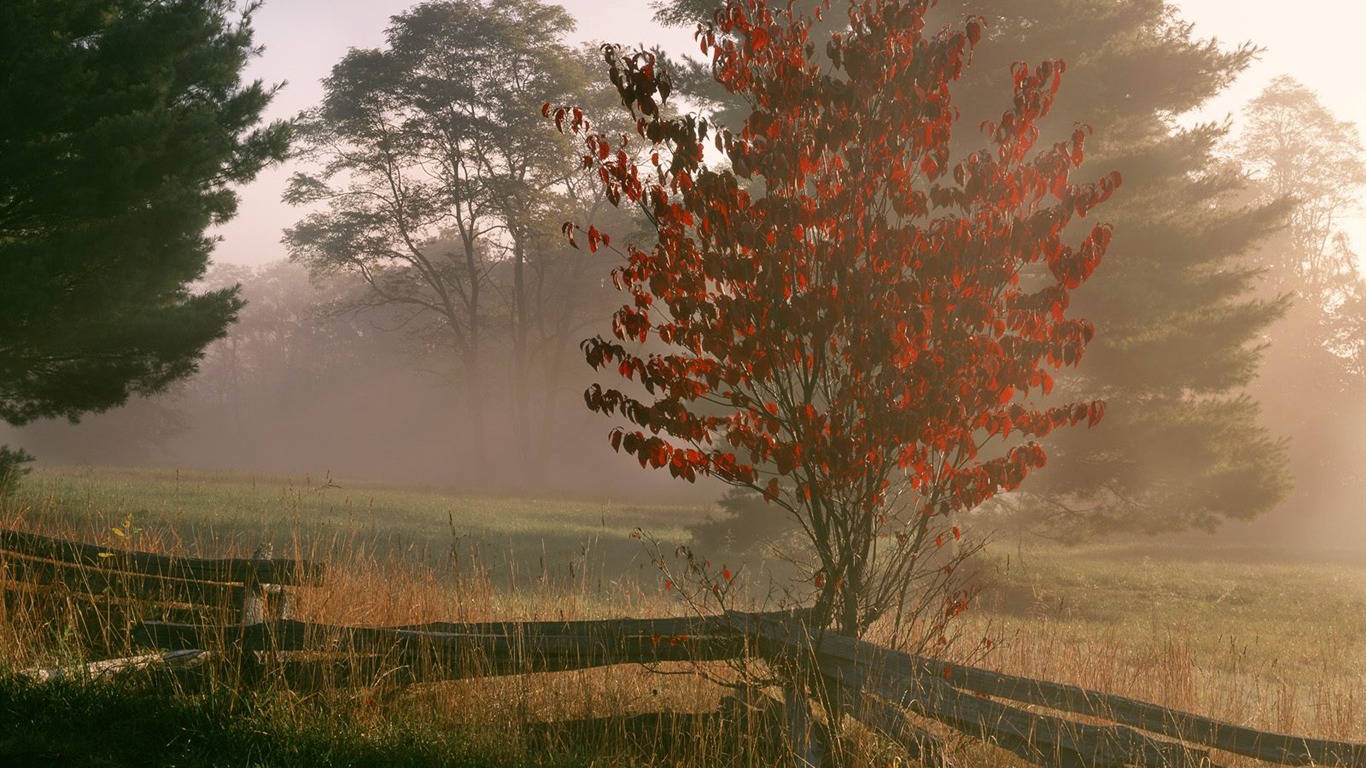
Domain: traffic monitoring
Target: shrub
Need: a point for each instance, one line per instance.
(12, 468)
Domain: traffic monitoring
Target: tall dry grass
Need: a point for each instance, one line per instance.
(622, 715)
(1200, 638)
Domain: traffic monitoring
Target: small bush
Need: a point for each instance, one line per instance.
(12, 468)
(747, 525)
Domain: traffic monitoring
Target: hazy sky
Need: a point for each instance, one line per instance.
(1316, 41)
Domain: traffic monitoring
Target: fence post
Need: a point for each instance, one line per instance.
(802, 740)
(260, 603)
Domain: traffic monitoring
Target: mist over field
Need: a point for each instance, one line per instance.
(300, 388)
(294, 390)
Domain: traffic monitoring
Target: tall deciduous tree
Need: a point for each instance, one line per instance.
(433, 176)
(1316, 373)
(124, 125)
(865, 332)
(1179, 317)
(1299, 150)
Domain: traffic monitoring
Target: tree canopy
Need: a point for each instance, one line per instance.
(847, 319)
(124, 125)
(435, 178)
(1299, 151)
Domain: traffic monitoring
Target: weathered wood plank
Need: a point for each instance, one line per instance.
(119, 584)
(1240, 740)
(1248, 742)
(665, 626)
(227, 570)
(97, 669)
(1039, 739)
(672, 630)
(1054, 740)
(501, 649)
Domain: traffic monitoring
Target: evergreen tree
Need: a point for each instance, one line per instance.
(124, 125)
(1175, 304)
(1178, 321)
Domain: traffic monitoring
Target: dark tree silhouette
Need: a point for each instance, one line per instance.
(124, 125)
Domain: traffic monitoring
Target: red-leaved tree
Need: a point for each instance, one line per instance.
(840, 317)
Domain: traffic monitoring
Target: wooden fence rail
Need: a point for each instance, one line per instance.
(879, 685)
(463, 650)
(224, 570)
(955, 695)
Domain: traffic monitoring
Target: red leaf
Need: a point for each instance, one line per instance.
(771, 490)
(974, 29)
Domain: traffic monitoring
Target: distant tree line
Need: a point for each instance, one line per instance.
(307, 383)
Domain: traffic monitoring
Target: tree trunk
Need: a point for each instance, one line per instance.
(526, 444)
(478, 439)
(473, 365)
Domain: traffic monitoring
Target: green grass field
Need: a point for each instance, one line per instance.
(233, 512)
(1253, 635)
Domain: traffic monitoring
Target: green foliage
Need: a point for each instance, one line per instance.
(124, 126)
(746, 526)
(1178, 315)
(12, 469)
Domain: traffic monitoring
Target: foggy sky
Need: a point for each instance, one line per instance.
(1318, 45)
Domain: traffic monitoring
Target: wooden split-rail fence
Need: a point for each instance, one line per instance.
(243, 608)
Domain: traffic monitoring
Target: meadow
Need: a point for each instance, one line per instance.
(1248, 634)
